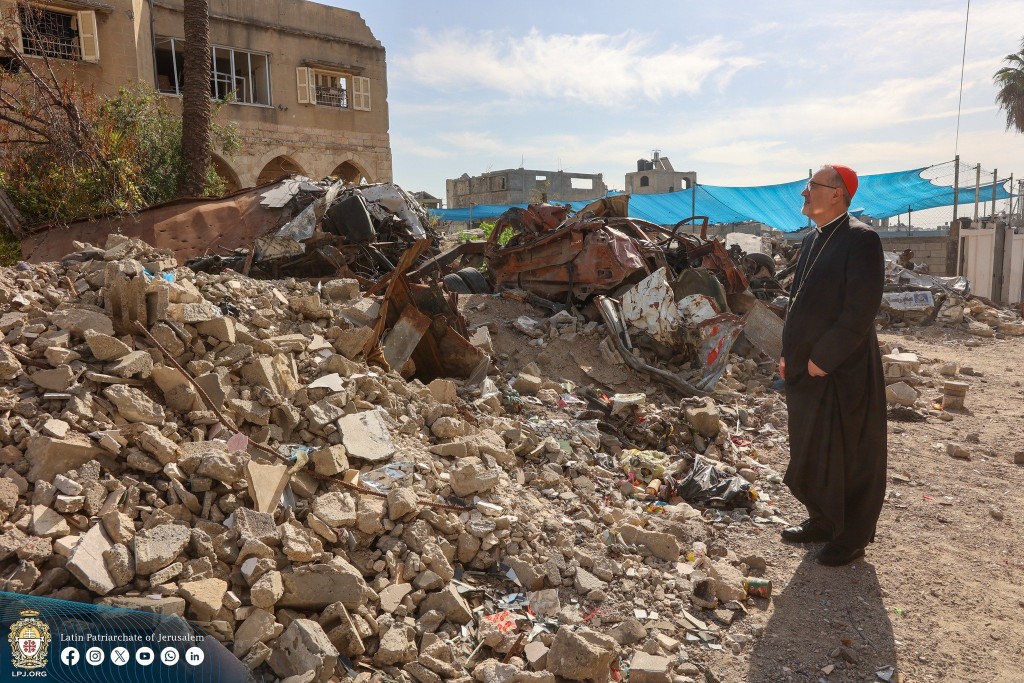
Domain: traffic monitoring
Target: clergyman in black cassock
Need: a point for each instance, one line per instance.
(835, 387)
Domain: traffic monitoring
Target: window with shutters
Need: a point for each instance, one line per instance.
(332, 89)
(361, 93)
(57, 34)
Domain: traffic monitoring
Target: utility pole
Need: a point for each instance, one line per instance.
(977, 190)
(956, 187)
(995, 184)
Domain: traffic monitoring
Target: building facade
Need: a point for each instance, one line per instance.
(304, 84)
(523, 186)
(656, 176)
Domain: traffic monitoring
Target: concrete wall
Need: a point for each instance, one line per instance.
(930, 250)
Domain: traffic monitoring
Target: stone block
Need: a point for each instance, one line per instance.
(317, 585)
(205, 597)
(647, 668)
(582, 655)
(157, 547)
(302, 648)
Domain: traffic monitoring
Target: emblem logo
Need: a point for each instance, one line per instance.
(30, 641)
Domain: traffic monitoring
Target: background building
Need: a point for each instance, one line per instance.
(522, 186)
(427, 200)
(656, 176)
(304, 84)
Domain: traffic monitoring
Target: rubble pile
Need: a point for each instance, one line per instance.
(913, 297)
(222, 449)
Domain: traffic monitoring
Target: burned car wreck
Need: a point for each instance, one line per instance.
(677, 294)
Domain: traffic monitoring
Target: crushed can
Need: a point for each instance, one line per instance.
(757, 588)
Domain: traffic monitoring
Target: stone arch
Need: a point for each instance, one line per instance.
(227, 174)
(279, 166)
(350, 173)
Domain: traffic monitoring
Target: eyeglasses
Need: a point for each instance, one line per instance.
(807, 187)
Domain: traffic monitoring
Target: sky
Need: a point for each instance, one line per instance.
(742, 93)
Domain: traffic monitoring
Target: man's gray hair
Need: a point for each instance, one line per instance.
(837, 180)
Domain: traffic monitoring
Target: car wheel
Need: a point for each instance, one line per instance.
(475, 280)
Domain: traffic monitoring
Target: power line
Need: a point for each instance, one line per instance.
(963, 61)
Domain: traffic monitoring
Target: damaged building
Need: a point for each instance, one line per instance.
(304, 84)
(522, 186)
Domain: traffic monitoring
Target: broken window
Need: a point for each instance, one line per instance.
(238, 76)
(47, 32)
(582, 183)
(498, 183)
(170, 64)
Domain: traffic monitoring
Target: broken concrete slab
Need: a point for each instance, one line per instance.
(50, 456)
(86, 562)
(366, 436)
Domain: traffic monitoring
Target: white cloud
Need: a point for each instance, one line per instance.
(595, 68)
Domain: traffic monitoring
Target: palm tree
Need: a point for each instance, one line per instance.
(1010, 97)
(196, 107)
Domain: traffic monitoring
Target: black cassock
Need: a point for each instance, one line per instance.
(837, 428)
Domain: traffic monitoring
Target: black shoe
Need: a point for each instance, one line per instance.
(836, 555)
(807, 532)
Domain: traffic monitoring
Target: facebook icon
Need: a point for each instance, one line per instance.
(69, 656)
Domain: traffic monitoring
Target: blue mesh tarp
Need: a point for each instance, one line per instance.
(882, 195)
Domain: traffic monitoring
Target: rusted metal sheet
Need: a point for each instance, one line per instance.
(442, 349)
(188, 227)
(584, 258)
(404, 337)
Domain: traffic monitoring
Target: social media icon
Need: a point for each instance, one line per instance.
(69, 656)
(195, 656)
(94, 655)
(120, 656)
(169, 656)
(144, 656)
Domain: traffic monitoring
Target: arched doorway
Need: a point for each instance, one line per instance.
(276, 168)
(227, 175)
(350, 173)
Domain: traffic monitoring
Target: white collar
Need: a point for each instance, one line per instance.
(832, 222)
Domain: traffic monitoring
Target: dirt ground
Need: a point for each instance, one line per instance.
(940, 594)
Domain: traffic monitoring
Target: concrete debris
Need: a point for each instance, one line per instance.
(238, 452)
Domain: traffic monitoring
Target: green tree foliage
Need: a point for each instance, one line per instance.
(1010, 98)
(139, 161)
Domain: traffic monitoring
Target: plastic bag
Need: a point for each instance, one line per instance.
(708, 485)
